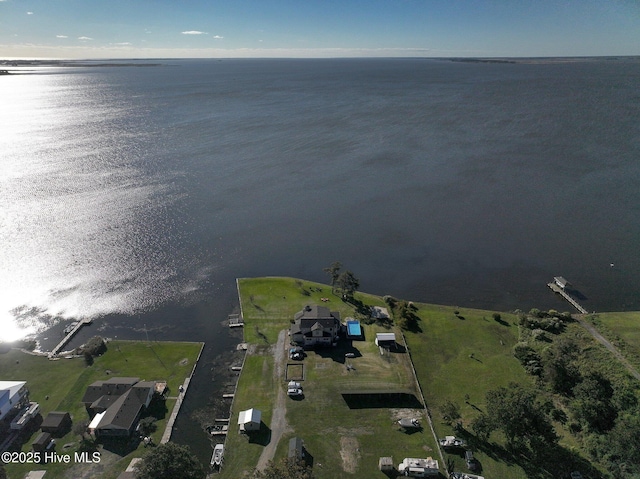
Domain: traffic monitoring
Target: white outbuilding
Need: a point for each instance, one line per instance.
(249, 420)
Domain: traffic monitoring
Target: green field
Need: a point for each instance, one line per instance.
(623, 330)
(343, 441)
(459, 357)
(459, 354)
(441, 355)
(59, 386)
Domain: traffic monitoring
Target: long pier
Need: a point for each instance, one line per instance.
(78, 326)
(557, 289)
(168, 430)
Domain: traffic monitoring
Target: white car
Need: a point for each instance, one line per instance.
(294, 392)
(294, 385)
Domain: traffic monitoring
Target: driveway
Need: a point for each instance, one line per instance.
(279, 417)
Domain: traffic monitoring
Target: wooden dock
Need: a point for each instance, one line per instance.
(235, 321)
(182, 391)
(557, 289)
(70, 334)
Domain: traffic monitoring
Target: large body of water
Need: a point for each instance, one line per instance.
(136, 195)
(126, 189)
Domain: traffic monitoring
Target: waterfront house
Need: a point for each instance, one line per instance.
(13, 396)
(116, 405)
(315, 326)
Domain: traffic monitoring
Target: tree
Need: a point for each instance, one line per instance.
(148, 425)
(334, 272)
(347, 283)
(80, 428)
(286, 468)
(450, 412)
(516, 412)
(592, 405)
(560, 369)
(169, 461)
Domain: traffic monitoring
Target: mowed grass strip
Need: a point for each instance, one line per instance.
(459, 357)
(64, 382)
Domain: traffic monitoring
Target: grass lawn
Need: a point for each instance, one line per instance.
(341, 439)
(623, 330)
(59, 386)
(459, 357)
(459, 354)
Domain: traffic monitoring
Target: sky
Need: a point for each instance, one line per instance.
(317, 28)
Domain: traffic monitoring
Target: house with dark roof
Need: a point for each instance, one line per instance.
(315, 326)
(116, 405)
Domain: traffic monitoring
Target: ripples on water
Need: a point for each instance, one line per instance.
(125, 188)
(80, 216)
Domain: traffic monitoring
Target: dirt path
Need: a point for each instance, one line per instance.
(279, 418)
(605, 342)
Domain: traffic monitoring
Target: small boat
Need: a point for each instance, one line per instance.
(409, 423)
(218, 451)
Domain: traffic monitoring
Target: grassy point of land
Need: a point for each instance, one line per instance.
(59, 386)
(342, 441)
(459, 355)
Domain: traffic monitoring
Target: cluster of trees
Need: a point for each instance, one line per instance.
(342, 282)
(524, 421)
(286, 468)
(596, 404)
(173, 461)
(92, 348)
(404, 312)
(169, 461)
(551, 321)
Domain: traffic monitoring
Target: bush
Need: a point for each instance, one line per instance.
(94, 347)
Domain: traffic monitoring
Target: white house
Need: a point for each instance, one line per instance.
(13, 394)
(250, 420)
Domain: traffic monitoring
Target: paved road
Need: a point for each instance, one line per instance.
(279, 417)
(598, 337)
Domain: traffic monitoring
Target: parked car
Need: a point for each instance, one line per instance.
(294, 392)
(350, 355)
(294, 385)
(472, 464)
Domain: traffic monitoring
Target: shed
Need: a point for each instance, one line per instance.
(296, 448)
(385, 339)
(385, 464)
(560, 281)
(56, 423)
(42, 442)
(250, 420)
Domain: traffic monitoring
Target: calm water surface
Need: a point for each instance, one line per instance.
(136, 195)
